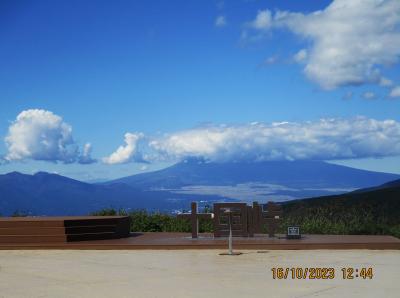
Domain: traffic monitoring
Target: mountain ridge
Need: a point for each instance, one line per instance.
(292, 173)
(174, 187)
(52, 194)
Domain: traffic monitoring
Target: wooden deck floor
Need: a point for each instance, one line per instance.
(206, 241)
(29, 230)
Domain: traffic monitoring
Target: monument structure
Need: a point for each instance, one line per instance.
(241, 220)
(194, 217)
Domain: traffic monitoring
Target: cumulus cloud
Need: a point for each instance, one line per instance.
(263, 20)
(300, 56)
(85, 157)
(220, 21)
(349, 41)
(42, 135)
(395, 92)
(128, 152)
(326, 139)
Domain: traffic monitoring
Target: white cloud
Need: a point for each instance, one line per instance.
(395, 92)
(369, 95)
(127, 152)
(220, 21)
(300, 56)
(41, 135)
(85, 157)
(263, 20)
(326, 139)
(349, 41)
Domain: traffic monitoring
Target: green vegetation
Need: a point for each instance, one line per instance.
(142, 221)
(110, 212)
(373, 212)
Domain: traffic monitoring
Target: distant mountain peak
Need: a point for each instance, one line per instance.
(42, 173)
(301, 174)
(14, 173)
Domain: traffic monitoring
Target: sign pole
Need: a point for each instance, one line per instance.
(230, 235)
(230, 239)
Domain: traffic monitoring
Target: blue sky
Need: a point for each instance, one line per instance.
(161, 68)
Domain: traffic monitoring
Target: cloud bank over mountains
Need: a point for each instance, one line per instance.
(347, 43)
(326, 139)
(42, 135)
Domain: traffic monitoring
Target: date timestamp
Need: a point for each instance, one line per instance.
(321, 273)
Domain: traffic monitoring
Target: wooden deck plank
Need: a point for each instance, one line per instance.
(206, 241)
(27, 230)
